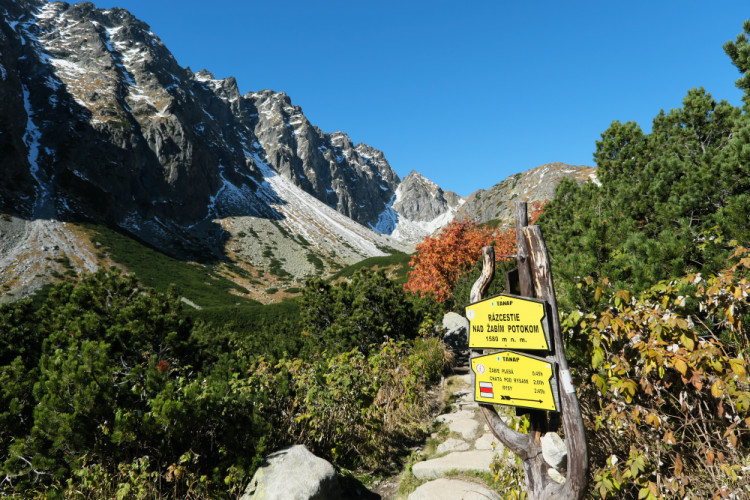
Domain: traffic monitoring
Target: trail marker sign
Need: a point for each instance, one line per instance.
(515, 379)
(508, 322)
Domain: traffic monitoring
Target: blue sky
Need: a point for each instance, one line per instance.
(466, 93)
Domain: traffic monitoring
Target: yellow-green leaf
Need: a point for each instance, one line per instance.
(738, 367)
(597, 358)
(717, 389)
(687, 342)
(629, 387)
(600, 382)
(680, 366)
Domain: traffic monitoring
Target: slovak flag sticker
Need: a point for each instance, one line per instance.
(485, 390)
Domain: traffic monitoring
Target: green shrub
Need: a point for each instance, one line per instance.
(107, 389)
(398, 261)
(315, 261)
(107, 372)
(665, 387)
(360, 412)
(365, 311)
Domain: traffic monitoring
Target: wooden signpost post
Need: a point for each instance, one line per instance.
(531, 371)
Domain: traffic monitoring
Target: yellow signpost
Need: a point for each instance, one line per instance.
(507, 322)
(515, 379)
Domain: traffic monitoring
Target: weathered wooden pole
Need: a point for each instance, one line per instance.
(535, 280)
(575, 435)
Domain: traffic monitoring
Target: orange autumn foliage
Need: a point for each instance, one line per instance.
(442, 259)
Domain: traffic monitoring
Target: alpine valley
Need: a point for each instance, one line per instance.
(106, 142)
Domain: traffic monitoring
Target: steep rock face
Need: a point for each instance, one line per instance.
(19, 134)
(99, 122)
(115, 127)
(536, 184)
(355, 180)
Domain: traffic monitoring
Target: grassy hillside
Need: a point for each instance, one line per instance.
(395, 266)
(220, 299)
(200, 283)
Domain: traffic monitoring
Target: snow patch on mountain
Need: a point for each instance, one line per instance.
(31, 139)
(306, 215)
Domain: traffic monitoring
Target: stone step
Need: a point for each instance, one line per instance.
(452, 444)
(456, 415)
(452, 489)
(461, 461)
(487, 441)
(466, 427)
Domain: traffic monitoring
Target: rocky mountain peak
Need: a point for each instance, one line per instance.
(100, 122)
(420, 199)
(417, 209)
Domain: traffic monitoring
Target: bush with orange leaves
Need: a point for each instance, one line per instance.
(442, 259)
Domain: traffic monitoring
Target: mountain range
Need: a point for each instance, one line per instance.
(100, 124)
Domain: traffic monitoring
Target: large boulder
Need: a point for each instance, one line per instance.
(456, 328)
(294, 474)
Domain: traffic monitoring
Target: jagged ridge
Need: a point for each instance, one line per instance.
(102, 123)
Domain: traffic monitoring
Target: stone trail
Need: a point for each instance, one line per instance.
(469, 447)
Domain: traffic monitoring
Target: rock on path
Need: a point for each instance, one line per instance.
(294, 474)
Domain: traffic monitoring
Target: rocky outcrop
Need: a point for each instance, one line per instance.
(355, 180)
(554, 450)
(419, 208)
(419, 199)
(113, 127)
(536, 184)
(294, 474)
(456, 331)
